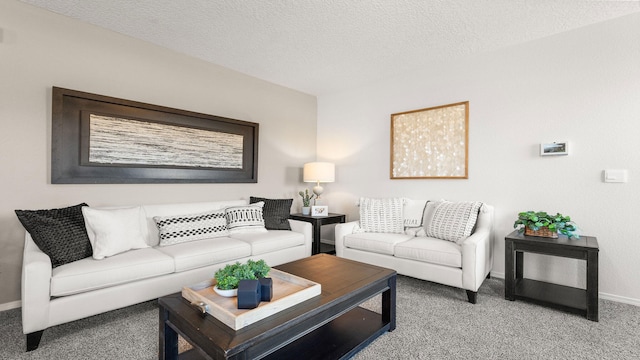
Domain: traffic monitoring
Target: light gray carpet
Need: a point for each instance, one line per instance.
(433, 322)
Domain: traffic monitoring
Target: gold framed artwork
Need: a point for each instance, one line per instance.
(431, 143)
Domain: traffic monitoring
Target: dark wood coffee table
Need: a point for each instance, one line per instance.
(328, 326)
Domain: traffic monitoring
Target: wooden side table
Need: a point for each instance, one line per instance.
(317, 222)
(581, 301)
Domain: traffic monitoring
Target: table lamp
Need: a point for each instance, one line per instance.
(319, 172)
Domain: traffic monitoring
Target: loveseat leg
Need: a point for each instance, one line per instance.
(472, 295)
(33, 340)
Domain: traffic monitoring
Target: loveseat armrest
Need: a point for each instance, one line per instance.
(305, 229)
(477, 251)
(36, 287)
(341, 231)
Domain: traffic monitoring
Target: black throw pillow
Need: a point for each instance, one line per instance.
(59, 233)
(275, 212)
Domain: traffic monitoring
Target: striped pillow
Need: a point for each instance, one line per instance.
(452, 221)
(184, 228)
(382, 215)
(245, 219)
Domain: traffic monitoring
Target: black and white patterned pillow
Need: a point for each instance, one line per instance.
(59, 233)
(452, 221)
(184, 228)
(382, 215)
(245, 219)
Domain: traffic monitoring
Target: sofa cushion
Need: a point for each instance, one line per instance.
(199, 253)
(453, 221)
(275, 212)
(59, 233)
(153, 237)
(272, 240)
(435, 251)
(90, 274)
(245, 219)
(381, 215)
(112, 231)
(183, 228)
(375, 242)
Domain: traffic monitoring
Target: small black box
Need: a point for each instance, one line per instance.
(248, 294)
(266, 289)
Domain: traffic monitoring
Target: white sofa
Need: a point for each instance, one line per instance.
(87, 287)
(463, 264)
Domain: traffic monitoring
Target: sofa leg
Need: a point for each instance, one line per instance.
(33, 340)
(489, 276)
(472, 295)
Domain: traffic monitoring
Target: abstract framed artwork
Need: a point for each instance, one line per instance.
(431, 143)
(100, 139)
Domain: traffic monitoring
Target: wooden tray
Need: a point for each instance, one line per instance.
(288, 290)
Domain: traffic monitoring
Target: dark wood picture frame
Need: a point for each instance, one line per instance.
(71, 145)
(431, 143)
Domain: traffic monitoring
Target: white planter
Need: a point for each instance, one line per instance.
(306, 210)
(226, 293)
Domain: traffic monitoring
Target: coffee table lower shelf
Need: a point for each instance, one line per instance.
(341, 338)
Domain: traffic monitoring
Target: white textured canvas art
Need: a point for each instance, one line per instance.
(115, 140)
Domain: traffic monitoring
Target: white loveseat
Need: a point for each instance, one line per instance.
(88, 286)
(464, 263)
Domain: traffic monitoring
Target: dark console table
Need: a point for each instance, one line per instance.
(581, 301)
(317, 222)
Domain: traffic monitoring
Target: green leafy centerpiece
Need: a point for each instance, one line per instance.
(228, 277)
(544, 225)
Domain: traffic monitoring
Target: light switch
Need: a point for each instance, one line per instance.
(615, 176)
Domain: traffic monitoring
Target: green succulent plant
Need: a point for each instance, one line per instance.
(229, 276)
(306, 198)
(556, 223)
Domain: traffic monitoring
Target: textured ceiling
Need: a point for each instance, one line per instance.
(323, 46)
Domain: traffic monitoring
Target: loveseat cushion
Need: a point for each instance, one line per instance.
(183, 228)
(113, 231)
(59, 233)
(452, 221)
(90, 274)
(381, 215)
(273, 240)
(430, 250)
(375, 242)
(199, 253)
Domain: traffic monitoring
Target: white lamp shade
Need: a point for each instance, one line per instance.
(319, 172)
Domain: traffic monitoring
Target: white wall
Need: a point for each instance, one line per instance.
(39, 49)
(582, 86)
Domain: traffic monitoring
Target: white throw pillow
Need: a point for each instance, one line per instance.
(413, 212)
(245, 219)
(184, 228)
(452, 221)
(114, 231)
(382, 215)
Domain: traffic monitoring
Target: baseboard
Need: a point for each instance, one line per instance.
(605, 296)
(10, 305)
(620, 299)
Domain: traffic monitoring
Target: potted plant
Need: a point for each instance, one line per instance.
(228, 277)
(306, 201)
(544, 225)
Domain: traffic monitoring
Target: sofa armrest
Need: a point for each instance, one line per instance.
(305, 229)
(36, 285)
(340, 231)
(477, 251)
